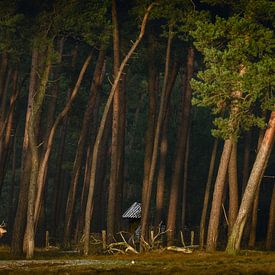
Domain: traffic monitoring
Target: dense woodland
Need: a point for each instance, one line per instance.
(167, 103)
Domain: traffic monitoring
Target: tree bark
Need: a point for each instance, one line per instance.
(151, 115)
(164, 147)
(147, 189)
(185, 179)
(207, 192)
(116, 142)
(217, 196)
(99, 136)
(233, 188)
(34, 116)
(270, 237)
(180, 149)
(7, 127)
(254, 214)
(21, 212)
(233, 245)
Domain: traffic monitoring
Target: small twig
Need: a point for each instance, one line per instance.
(225, 216)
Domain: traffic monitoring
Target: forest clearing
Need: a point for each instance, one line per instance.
(249, 262)
(137, 136)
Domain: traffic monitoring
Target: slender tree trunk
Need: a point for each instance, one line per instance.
(161, 174)
(81, 143)
(233, 188)
(147, 190)
(207, 192)
(115, 146)
(180, 149)
(254, 214)
(12, 183)
(99, 136)
(270, 237)
(151, 115)
(21, 212)
(217, 196)
(185, 179)
(233, 245)
(164, 148)
(6, 131)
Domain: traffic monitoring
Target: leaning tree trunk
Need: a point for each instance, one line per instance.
(254, 213)
(207, 192)
(164, 147)
(214, 220)
(180, 149)
(45, 160)
(99, 136)
(270, 237)
(233, 245)
(116, 142)
(147, 190)
(233, 188)
(246, 158)
(96, 83)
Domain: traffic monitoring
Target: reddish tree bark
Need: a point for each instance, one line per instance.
(180, 149)
(233, 188)
(207, 192)
(233, 245)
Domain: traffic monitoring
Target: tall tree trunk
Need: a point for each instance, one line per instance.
(34, 116)
(254, 214)
(99, 136)
(185, 179)
(151, 115)
(214, 220)
(161, 174)
(147, 190)
(12, 183)
(96, 83)
(7, 128)
(233, 245)
(270, 237)
(233, 188)
(21, 212)
(180, 149)
(213, 226)
(115, 146)
(207, 192)
(164, 147)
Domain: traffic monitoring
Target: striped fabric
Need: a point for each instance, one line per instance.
(134, 212)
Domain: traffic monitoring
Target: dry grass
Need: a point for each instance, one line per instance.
(157, 262)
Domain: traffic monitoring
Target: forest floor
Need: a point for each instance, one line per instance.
(165, 262)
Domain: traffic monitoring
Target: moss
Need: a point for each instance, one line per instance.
(154, 263)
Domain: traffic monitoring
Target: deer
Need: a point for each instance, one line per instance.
(2, 229)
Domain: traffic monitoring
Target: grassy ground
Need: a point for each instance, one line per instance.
(248, 262)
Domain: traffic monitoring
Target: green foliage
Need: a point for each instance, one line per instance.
(238, 56)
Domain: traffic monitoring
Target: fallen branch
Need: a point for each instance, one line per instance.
(179, 249)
